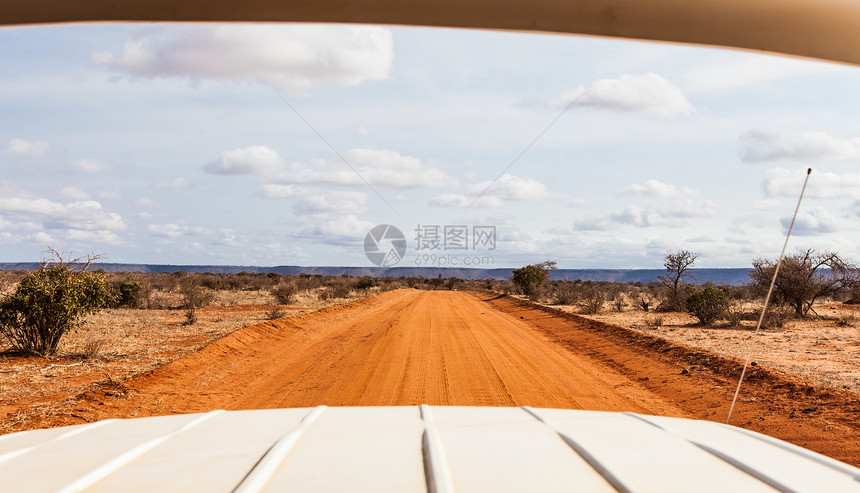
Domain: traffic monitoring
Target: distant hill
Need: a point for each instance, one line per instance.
(733, 276)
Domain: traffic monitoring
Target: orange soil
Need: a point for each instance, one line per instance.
(410, 347)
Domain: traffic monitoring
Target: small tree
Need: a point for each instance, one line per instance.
(194, 296)
(805, 277)
(532, 278)
(285, 292)
(132, 294)
(708, 304)
(51, 301)
(591, 299)
(566, 293)
(678, 268)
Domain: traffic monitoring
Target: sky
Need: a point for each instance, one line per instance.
(272, 145)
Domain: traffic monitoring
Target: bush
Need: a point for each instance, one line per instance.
(340, 289)
(275, 313)
(708, 304)
(365, 283)
(193, 297)
(452, 283)
(531, 279)
(776, 316)
(734, 317)
(49, 302)
(132, 294)
(285, 293)
(592, 299)
(566, 294)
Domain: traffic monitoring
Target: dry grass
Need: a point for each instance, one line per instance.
(116, 344)
(824, 350)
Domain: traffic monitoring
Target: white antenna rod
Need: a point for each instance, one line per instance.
(767, 298)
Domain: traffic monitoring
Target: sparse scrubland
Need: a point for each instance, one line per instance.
(144, 321)
(811, 327)
(147, 320)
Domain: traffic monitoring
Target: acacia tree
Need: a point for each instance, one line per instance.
(805, 277)
(51, 301)
(532, 278)
(679, 266)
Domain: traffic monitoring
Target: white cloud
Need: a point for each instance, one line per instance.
(335, 202)
(379, 167)
(781, 182)
(592, 224)
(510, 187)
(648, 93)
(229, 238)
(670, 214)
(768, 205)
(82, 220)
(245, 161)
(658, 247)
(82, 236)
(279, 251)
(275, 191)
(338, 230)
(655, 188)
(293, 57)
(30, 148)
(74, 193)
(760, 146)
(173, 230)
(570, 201)
(19, 225)
(643, 218)
(175, 184)
(700, 239)
(812, 222)
(145, 202)
(738, 241)
(86, 215)
(90, 165)
(460, 201)
(493, 194)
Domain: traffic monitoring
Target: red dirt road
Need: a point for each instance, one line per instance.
(411, 347)
(400, 348)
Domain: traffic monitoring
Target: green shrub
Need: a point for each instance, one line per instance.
(365, 283)
(131, 294)
(532, 279)
(48, 303)
(708, 304)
